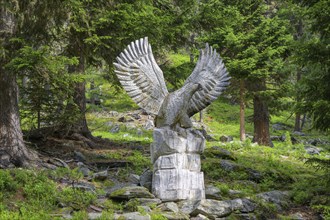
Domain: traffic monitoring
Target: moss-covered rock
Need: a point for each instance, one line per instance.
(130, 192)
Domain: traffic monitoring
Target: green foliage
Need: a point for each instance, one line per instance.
(42, 191)
(325, 209)
(110, 206)
(106, 215)
(304, 190)
(124, 137)
(322, 164)
(280, 167)
(132, 205)
(100, 123)
(7, 183)
(138, 161)
(319, 164)
(36, 191)
(310, 54)
(177, 69)
(76, 198)
(80, 215)
(224, 188)
(71, 174)
(32, 194)
(255, 40)
(288, 141)
(46, 87)
(223, 118)
(157, 216)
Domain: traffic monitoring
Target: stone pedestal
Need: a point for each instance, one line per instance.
(177, 165)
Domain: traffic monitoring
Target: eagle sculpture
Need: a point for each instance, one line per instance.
(144, 82)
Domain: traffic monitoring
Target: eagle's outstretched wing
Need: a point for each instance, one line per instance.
(140, 75)
(211, 73)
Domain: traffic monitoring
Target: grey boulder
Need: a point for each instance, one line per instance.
(130, 192)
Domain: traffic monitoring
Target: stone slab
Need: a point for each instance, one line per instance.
(168, 142)
(212, 208)
(178, 184)
(190, 162)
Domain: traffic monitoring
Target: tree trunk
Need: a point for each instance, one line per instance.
(298, 36)
(93, 96)
(261, 121)
(79, 98)
(303, 122)
(12, 148)
(242, 111)
(297, 126)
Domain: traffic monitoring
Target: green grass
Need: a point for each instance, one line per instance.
(222, 118)
(139, 162)
(123, 137)
(35, 194)
(282, 167)
(111, 97)
(101, 126)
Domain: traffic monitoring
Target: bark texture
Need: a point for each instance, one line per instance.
(299, 34)
(242, 112)
(79, 98)
(297, 124)
(261, 121)
(12, 148)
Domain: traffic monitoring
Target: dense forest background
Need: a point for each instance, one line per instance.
(276, 51)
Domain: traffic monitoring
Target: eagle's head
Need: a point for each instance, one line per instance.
(190, 89)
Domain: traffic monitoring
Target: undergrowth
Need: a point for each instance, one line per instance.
(35, 194)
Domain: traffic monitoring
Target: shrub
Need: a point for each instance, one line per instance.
(76, 198)
(7, 183)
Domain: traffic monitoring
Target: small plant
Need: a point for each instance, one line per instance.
(325, 209)
(247, 143)
(157, 216)
(110, 206)
(132, 205)
(141, 210)
(288, 141)
(302, 191)
(72, 174)
(80, 215)
(139, 161)
(7, 183)
(76, 198)
(224, 188)
(212, 170)
(41, 191)
(107, 215)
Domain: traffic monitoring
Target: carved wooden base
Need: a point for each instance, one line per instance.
(177, 165)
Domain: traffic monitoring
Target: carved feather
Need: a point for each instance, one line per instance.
(140, 75)
(211, 73)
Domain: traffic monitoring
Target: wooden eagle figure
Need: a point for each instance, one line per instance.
(144, 82)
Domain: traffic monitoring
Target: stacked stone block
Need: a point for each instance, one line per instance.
(177, 165)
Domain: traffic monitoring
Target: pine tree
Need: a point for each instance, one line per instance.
(253, 41)
(12, 147)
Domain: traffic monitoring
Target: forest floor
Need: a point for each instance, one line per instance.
(76, 180)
